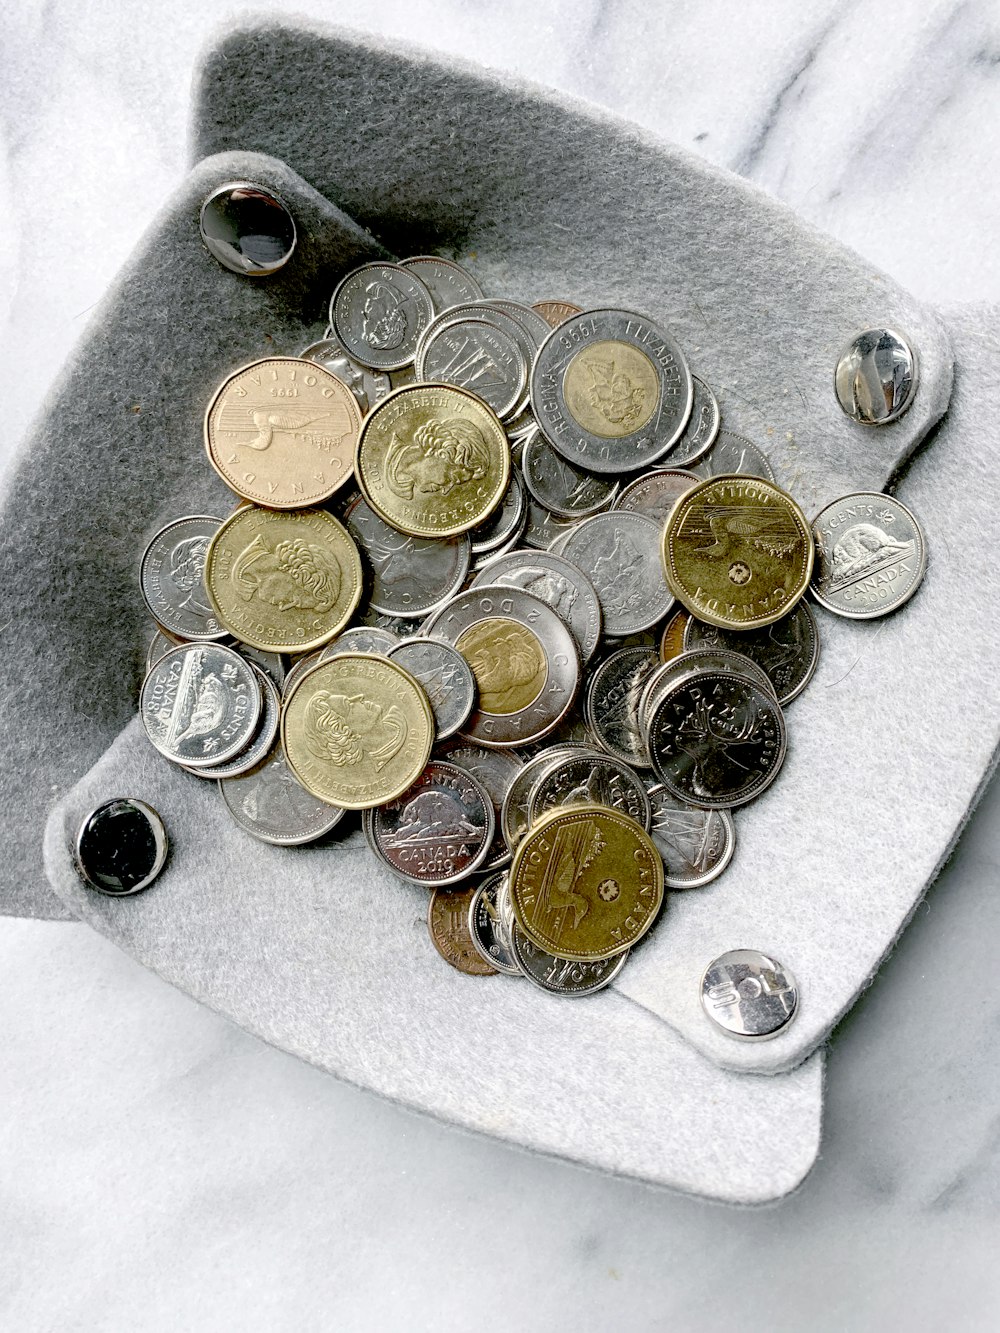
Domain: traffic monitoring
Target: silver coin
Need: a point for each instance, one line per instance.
(749, 995)
(121, 847)
(438, 832)
(611, 706)
(733, 454)
(477, 356)
(487, 930)
(498, 319)
(446, 677)
(554, 580)
(524, 658)
(158, 645)
(696, 845)
(519, 431)
(200, 704)
(870, 556)
(537, 328)
(262, 742)
(172, 578)
(379, 312)
(787, 650)
(876, 376)
(273, 665)
(611, 391)
(496, 770)
(587, 777)
(298, 669)
(448, 283)
(702, 428)
(541, 529)
(560, 487)
(506, 523)
(368, 386)
(688, 663)
(270, 803)
(247, 228)
(360, 639)
(654, 494)
(559, 976)
(409, 575)
(514, 818)
(620, 554)
(397, 625)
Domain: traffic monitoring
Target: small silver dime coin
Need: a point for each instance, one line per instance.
(787, 649)
(620, 553)
(876, 377)
(559, 976)
(171, 576)
(554, 580)
(733, 454)
(587, 777)
(749, 995)
(497, 319)
(565, 490)
(487, 930)
(263, 740)
(611, 706)
(514, 819)
(870, 556)
(409, 575)
(121, 847)
(448, 283)
(248, 229)
(368, 386)
(702, 428)
(477, 356)
(506, 523)
(201, 704)
(654, 494)
(496, 770)
(696, 845)
(446, 677)
(359, 639)
(379, 312)
(270, 803)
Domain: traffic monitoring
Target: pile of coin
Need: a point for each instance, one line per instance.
(498, 580)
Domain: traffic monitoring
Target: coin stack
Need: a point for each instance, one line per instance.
(498, 580)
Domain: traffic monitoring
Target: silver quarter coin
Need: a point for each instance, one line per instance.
(368, 386)
(702, 428)
(172, 578)
(535, 326)
(541, 529)
(870, 556)
(654, 494)
(121, 847)
(559, 976)
(611, 706)
(397, 625)
(159, 644)
(733, 454)
(587, 777)
(611, 391)
(787, 649)
(360, 639)
(446, 677)
(273, 665)
(506, 523)
(201, 704)
(298, 669)
(263, 740)
(477, 356)
(438, 832)
(560, 487)
(448, 283)
(687, 664)
(696, 845)
(514, 818)
(487, 929)
(519, 431)
(409, 575)
(248, 229)
(620, 554)
(554, 580)
(876, 377)
(379, 312)
(749, 995)
(270, 803)
(496, 770)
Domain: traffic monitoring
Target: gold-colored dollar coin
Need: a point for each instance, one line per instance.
(448, 924)
(737, 552)
(433, 460)
(283, 582)
(357, 730)
(283, 432)
(672, 638)
(586, 882)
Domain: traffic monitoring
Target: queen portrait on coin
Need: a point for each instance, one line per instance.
(383, 322)
(440, 456)
(296, 574)
(343, 728)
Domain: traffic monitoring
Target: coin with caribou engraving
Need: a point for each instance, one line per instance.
(870, 556)
(787, 649)
(409, 575)
(438, 831)
(379, 312)
(696, 845)
(200, 704)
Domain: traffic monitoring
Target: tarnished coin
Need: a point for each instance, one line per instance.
(262, 740)
(368, 386)
(749, 995)
(506, 523)
(514, 818)
(448, 283)
(357, 730)
(702, 428)
(448, 926)
(379, 312)
(733, 455)
(171, 577)
(360, 639)
(284, 582)
(619, 553)
(586, 882)
(446, 677)
(524, 659)
(654, 494)
(438, 832)
(672, 638)
(554, 580)
(716, 739)
(487, 930)
(611, 706)
(611, 391)
(283, 432)
(433, 460)
(477, 356)
(542, 529)
(200, 704)
(870, 556)
(586, 777)
(272, 805)
(737, 552)
(409, 575)
(560, 975)
(121, 847)
(787, 650)
(560, 487)
(696, 845)
(556, 312)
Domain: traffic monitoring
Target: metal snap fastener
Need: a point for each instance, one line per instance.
(121, 847)
(749, 995)
(248, 229)
(876, 377)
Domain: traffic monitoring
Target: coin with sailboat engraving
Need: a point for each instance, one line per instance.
(379, 312)
(272, 805)
(409, 575)
(496, 770)
(446, 677)
(554, 580)
(702, 428)
(562, 488)
(368, 386)
(611, 706)
(696, 845)
(172, 578)
(487, 929)
(448, 283)
(474, 355)
(870, 556)
(619, 553)
(731, 454)
(505, 524)
(200, 704)
(560, 976)
(655, 493)
(587, 777)
(448, 927)
(360, 639)
(787, 649)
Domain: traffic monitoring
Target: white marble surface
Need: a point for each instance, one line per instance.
(162, 1170)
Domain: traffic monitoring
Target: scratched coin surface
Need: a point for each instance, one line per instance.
(409, 575)
(560, 975)
(787, 650)
(560, 487)
(733, 454)
(619, 552)
(200, 704)
(870, 556)
(749, 995)
(357, 730)
(446, 677)
(655, 493)
(448, 926)
(433, 460)
(172, 578)
(283, 582)
(474, 355)
(438, 831)
(448, 283)
(737, 552)
(611, 706)
(554, 580)
(488, 932)
(282, 432)
(586, 777)
(379, 312)
(702, 428)
(368, 386)
(696, 845)
(496, 770)
(586, 882)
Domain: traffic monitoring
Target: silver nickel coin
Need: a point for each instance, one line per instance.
(559, 976)
(448, 283)
(611, 705)
(588, 777)
(749, 995)
(876, 377)
(870, 556)
(379, 312)
(562, 488)
(172, 578)
(620, 554)
(446, 677)
(696, 845)
(787, 649)
(270, 803)
(733, 454)
(201, 704)
(409, 575)
(487, 929)
(477, 356)
(496, 770)
(654, 494)
(506, 523)
(260, 746)
(702, 428)
(554, 580)
(368, 386)
(360, 639)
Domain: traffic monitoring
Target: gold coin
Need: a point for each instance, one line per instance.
(448, 924)
(586, 882)
(737, 552)
(672, 639)
(433, 460)
(508, 662)
(357, 730)
(284, 582)
(624, 371)
(282, 432)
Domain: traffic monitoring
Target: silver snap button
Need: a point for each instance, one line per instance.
(876, 377)
(749, 995)
(121, 847)
(248, 229)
